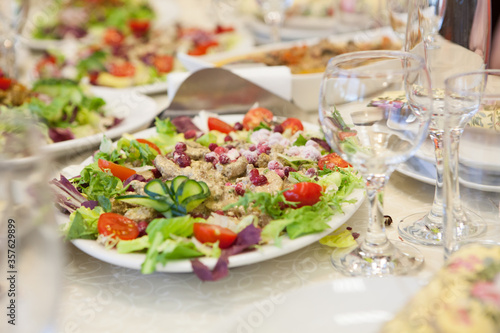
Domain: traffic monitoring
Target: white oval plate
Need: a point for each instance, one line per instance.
(347, 305)
(136, 110)
(265, 252)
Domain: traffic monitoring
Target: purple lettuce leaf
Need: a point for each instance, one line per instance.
(135, 176)
(184, 124)
(91, 204)
(67, 196)
(246, 238)
(60, 134)
(322, 143)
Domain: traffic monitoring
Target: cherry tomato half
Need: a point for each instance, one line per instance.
(113, 37)
(344, 135)
(306, 194)
(331, 161)
(116, 170)
(150, 144)
(293, 124)
(139, 27)
(5, 83)
(202, 48)
(163, 63)
(215, 124)
(255, 116)
(210, 233)
(112, 224)
(125, 69)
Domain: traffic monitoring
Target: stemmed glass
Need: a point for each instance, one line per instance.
(30, 253)
(274, 15)
(13, 15)
(430, 14)
(375, 134)
(469, 31)
(466, 94)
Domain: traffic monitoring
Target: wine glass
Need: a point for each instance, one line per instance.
(30, 254)
(430, 15)
(375, 134)
(274, 16)
(467, 94)
(469, 32)
(13, 15)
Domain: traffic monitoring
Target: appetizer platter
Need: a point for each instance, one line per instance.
(71, 118)
(206, 195)
(307, 58)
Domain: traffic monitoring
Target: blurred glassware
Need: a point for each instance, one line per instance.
(467, 26)
(363, 14)
(13, 16)
(375, 135)
(274, 15)
(30, 253)
(467, 94)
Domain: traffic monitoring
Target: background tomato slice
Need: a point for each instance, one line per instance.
(215, 124)
(125, 69)
(139, 27)
(331, 161)
(117, 170)
(110, 224)
(5, 83)
(293, 124)
(255, 116)
(113, 37)
(211, 233)
(305, 193)
(150, 144)
(163, 63)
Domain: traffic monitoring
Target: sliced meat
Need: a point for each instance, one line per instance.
(139, 214)
(235, 169)
(196, 151)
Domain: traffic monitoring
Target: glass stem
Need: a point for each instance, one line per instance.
(436, 213)
(376, 240)
(453, 212)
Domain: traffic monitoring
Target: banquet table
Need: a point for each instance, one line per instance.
(97, 295)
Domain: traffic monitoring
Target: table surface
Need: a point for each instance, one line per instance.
(96, 296)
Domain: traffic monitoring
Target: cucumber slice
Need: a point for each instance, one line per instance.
(205, 188)
(190, 188)
(160, 206)
(177, 182)
(156, 188)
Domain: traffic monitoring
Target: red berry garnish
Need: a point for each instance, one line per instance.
(212, 146)
(180, 147)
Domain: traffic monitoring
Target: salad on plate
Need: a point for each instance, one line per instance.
(64, 109)
(207, 188)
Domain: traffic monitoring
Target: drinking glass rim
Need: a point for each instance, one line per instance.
(421, 65)
(465, 92)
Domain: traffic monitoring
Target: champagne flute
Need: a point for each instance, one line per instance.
(375, 134)
(467, 26)
(274, 16)
(430, 15)
(30, 254)
(13, 15)
(466, 94)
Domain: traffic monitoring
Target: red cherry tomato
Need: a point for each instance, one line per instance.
(344, 135)
(125, 69)
(255, 116)
(163, 63)
(45, 61)
(113, 37)
(306, 194)
(331, 161)
(112, 224)
(293, 124)
(215, 124)
(116, 170)
(150, 144)
(202, 48)
(5, 83)
(139, 27)
(219, 29)
(210, 233)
